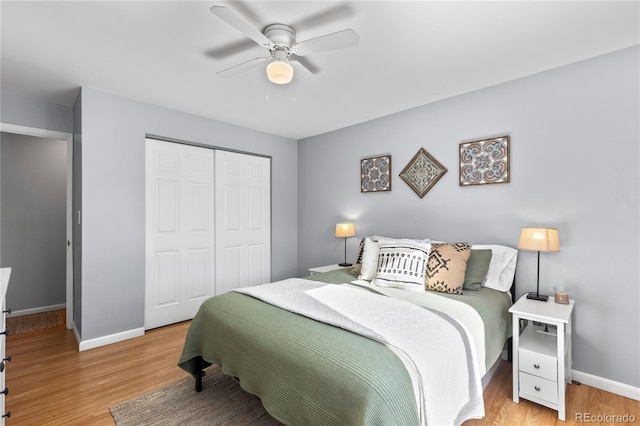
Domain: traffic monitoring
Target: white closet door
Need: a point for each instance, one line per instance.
(243, 220)
(179, 231)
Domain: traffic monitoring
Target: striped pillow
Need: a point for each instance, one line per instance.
(402, 264)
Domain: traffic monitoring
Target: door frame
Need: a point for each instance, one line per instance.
(68, 138)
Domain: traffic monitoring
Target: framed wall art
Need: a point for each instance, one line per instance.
(485, 161)
(375, 174)
(422, 172)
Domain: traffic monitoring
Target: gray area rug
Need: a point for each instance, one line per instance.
(221, 402)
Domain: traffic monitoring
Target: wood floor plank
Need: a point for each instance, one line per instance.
(51, 383)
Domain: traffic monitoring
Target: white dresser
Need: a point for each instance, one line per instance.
(5, 273)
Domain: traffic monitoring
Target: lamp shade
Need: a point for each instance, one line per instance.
(280, 71)
(539, 239)
(345, 229)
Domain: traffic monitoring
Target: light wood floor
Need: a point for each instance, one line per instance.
(51, 383)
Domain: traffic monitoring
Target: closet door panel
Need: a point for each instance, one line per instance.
(243, 220)
(167, 278)
(180, 230)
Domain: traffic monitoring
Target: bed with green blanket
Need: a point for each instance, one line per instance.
(308, 372)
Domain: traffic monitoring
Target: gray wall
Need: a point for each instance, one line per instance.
(574, 164)
(31, 112)
(113, 239)
(33, 235)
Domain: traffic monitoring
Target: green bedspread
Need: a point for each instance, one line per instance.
(305, 372)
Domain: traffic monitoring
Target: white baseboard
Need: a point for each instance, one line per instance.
(36, 310)
(618, 388)
(107, 340)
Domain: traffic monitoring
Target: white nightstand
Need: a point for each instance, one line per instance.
(328, 268)
(542, 361)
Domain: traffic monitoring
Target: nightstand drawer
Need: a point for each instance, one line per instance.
(538, 388)
(538, 364)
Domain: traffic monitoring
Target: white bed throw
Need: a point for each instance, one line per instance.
(434, 345)
(462, 312)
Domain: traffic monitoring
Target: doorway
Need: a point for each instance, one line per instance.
(65, 254)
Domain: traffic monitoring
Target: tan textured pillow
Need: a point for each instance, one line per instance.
(447, 266)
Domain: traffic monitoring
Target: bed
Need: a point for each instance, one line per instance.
(350, 367)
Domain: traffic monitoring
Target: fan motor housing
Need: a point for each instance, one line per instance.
(280, 35)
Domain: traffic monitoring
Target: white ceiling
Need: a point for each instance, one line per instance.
(410, 53)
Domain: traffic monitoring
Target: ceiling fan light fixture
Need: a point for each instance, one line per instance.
(280, 71)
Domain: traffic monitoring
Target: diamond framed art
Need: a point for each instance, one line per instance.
(422, 172)
(485, 161)
(375, 174)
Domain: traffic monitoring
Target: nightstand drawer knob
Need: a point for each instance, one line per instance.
(536, 365)
(537, 388)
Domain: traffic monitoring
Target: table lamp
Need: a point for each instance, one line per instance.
(345, 230)
(539, 239)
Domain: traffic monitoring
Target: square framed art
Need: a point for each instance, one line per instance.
(485, 161)
(422, 172)
(375, 174)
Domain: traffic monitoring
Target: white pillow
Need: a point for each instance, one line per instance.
(381, 239)
(402, 264)
(502, 268)
(369, 260)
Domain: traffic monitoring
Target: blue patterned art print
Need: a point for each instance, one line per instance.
(485, 161)
(375, 174)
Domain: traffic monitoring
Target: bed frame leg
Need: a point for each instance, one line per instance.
(199, 374)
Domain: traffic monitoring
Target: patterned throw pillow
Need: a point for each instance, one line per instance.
(447, 266)
(369, 260)
(360, 251)
(402, 264)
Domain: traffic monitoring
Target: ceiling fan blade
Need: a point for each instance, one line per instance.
(240, 68)
(332, 14)
(230, 49)
(237, 22)
(333, 41)
(304, 64)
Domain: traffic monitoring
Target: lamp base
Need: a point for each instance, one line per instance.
(345, 264)
(539, 297)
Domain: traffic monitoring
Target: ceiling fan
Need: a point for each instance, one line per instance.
(283, 48)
